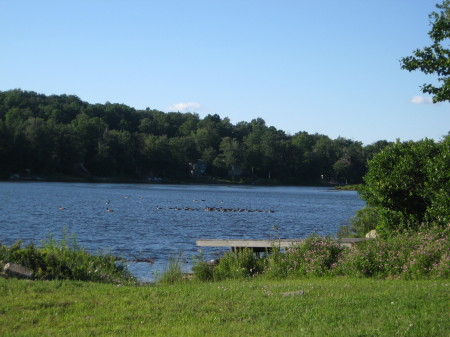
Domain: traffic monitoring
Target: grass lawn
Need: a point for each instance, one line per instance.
(321, 307)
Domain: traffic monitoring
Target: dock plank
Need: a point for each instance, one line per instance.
(258, 245)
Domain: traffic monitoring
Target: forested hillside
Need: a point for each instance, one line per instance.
(62, 135)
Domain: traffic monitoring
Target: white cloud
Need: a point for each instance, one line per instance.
(185, 107)
(422, 100)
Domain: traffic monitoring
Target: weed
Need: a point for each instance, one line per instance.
(408, 255)
(66, 260)
(240, 263)
(173, 273)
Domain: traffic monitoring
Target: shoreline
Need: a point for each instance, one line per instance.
(177, 181)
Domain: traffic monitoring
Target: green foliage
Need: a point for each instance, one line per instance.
(62, 135)
(242, 263)
(173, 273)
(64, 260)
(375, 258)
(434, 59)
(316, 256)
(363, 222)
(203, 271)
(412, 254)
(408, 184)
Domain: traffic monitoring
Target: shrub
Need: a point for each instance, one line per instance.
(364, 221)
(65, 260)
(278, 264)
(429, 254)
(173, 273)
(409, 255)
(203, 271)
(408, 184)
(316, 256)
(373, 258)
(240, 263)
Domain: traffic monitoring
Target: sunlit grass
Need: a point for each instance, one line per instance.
(254, 307)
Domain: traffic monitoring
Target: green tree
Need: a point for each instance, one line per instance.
(189, 125)
(182, 151)
(155, 155)
(374, 148)
(434, 59)
(253, 157)
(350, 167)
(116, 154)
(90, 133)
(342, 168)
(67, 154)
(324, 155)
(438, 173)
(230, 149)
(408, 184)
(302, 145)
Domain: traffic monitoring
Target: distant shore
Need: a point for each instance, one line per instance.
(173, 180)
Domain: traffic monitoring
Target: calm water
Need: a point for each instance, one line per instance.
(144, 222)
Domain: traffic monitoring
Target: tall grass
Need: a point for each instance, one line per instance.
(411, 255)
(66, 260)
(173, 273)
(234, 264)
(316, 256)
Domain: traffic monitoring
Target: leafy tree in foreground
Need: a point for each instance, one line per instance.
(409, 184)
(434, 59)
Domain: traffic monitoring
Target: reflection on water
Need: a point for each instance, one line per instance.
(160, 221)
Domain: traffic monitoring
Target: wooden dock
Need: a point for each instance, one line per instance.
(266, 245)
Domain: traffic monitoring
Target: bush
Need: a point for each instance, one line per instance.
(373, 258)
(408, 184)
(242, 263)
(410, 255)
(429, 255)
(173, 273)
(316, 256)
(65, 260)
(203, 271)
(365, 219)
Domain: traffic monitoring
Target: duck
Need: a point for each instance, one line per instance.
(109, 210)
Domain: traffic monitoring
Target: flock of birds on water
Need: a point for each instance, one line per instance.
(220, 209)
(206, 209)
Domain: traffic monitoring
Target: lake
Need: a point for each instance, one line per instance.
(163, 221)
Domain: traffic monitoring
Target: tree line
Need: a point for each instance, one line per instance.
(63, 135)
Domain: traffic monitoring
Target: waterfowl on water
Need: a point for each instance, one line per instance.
(61, 208)
(109, 209)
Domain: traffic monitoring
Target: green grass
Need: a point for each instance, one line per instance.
(254, 307)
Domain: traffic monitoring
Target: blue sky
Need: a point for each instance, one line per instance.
(328, 66)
